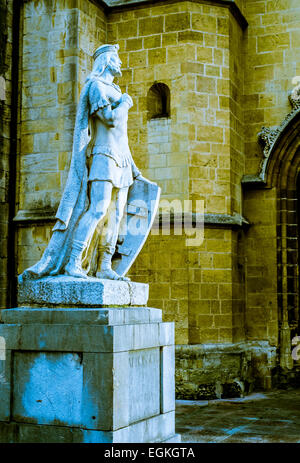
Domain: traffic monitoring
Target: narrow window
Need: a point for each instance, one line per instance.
(158, 101)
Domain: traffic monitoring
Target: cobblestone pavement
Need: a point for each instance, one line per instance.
(267, 417)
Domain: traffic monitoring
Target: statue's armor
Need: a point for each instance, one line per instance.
(111, 157)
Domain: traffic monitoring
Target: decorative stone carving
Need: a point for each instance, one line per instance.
(294, 95)
(268, 136)
(103, 183)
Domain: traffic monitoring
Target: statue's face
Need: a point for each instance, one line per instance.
(115, 65)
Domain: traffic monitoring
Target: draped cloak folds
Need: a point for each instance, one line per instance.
(74, 200)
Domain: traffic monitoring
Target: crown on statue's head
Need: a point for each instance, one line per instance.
(105, 49)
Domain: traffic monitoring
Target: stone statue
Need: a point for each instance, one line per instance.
(100, 136)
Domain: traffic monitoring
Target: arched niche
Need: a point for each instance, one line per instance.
(158, 101)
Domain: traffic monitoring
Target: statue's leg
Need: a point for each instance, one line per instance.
(110, 234)
(100, 198)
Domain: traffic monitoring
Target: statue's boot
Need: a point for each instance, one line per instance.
(74, 268)
(105, 267)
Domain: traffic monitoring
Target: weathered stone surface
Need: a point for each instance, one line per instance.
(63, 290)
(47, 388)
(11, 335)
(166, 334)
(211, 371)
(155, 429)
(82, 316)
(96, 391)
(150, 430)
(106, 394)
(167, 377)
(5, 386)
(144, 384)
(85, 338)
(2, 349)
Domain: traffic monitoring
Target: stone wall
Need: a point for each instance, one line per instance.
(164, 264)
(5, 118)
(261, 266)
(194, 285)
(272, 51)
(155, 46)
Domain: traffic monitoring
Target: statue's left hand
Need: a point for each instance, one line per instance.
(143, 179)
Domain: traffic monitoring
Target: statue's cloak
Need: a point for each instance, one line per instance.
(74, 200)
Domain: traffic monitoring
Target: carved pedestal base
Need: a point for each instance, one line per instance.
(90, 375)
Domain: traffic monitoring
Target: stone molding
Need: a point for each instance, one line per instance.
(225, 220)
(35, 215)
(28, 216)
(268, 137)
(210, 220)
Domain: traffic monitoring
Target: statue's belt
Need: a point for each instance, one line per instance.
(121, 159)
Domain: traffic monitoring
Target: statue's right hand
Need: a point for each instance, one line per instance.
(127, 99)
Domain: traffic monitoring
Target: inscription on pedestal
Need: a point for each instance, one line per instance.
(144, 384)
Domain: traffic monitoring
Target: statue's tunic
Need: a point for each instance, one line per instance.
(111, 157)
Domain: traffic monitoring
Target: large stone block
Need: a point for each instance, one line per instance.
(144, 371)
(167, 377)
(80, 316)
(47, 388)
(87, 338)
(5, 385)
(87, 375)
(223, 370)
(155, 429)
(65, 291)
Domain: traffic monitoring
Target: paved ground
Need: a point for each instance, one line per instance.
(258, 418)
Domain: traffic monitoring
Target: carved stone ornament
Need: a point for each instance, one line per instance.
(268, 136)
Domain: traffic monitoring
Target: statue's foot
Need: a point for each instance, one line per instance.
(110, 274)
(74, 271)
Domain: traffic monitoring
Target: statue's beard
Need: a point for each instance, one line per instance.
(116, 71)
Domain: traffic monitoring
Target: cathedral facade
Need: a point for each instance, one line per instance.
(215, 123)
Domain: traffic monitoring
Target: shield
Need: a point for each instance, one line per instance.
(142, 205)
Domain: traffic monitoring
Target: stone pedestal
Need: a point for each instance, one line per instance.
(86, 374)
